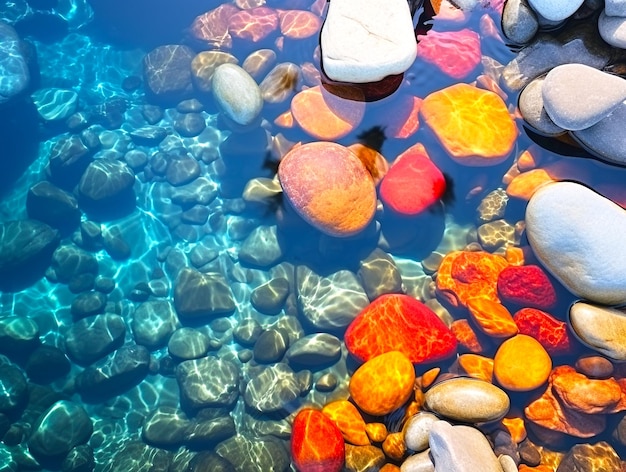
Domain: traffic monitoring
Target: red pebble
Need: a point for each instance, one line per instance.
(551, 333)
(254, 24)
(396, 322)
(526, 286)
(316, 443)
(413, 183)
(456, 53)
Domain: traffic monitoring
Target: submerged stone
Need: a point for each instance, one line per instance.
(273, 389)
(254, 454)
(199, 294)
(316, 442)
(237, 94)
(54, 104)
(208, 382)
(455, 53)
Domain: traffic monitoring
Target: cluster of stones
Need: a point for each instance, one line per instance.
(569, 93)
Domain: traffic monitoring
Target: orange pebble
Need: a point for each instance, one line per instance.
(390, 468)
(521, 364)
(492, 318)
(349, 421)
(476, 366)
(377, 432)
(515, 255)
(394, 446)
(284, 120)
(516, 427)
(466, 337)
(429, 377)
(525, 185)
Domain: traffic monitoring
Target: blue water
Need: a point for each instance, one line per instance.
(91, 48)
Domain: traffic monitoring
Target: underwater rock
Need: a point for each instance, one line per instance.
(379, 274)
(314, 350)
(383, 383)
(70, 262)
(237, 94)
(364, 457)
(188, 343)
(280, 84)
(211, 28)
(491, 317)
(601, 328)
(492, 207)
(54, 104)
(551, 333)
(327, 116)
(269, 298)
(598, 456)
(521, 364)
(13, 66)
(416, 430)
(396, 322)
(262, 247)
(527, 286)
(189, 125)
(18, 334)
(13, 388)
(584, 265)
(165, 427)
(52, 205)
(254, 454)
(167, 73)
(585, 395)
(60, 428)
(69, 157)
(254, 24)
(259, 63)
(496, 234)
(182, 170)
(467, 400)
(461, 449)
(329, 188)
(153, 323)
(612, 29)
(349, 421)
(271, 346)
(106, 181)
(329, 303)
(555, 10)
(298, 24)
(198, 295)
(455, 53)
(519, 21)
(208, 382)
(46, 364)
(272, 389)
(531, 107)
(413, 183)
(605, 139)
(92, 338)
(204, 64)
(316, 442)
(363, 42)
(481, 133)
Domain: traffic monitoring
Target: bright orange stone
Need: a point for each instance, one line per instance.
(389, 468)
(515, 255)
(473, 125)
(467, 338)
(383, 384)
(329, 187)
(463, 275)
(521, 364)
(476, 366)
(299, 24)
(583, 394)
(516, 428)
(394, 446)
(525, 185)
(348, 420)
(254, 24)
(284, 120)
(326, 116)
(377, 432)
(528, 160)
(316, 443)
(429, 377)
(492, 317)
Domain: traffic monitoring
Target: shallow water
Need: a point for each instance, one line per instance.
(93, 58)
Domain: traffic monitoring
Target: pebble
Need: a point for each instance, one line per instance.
(269, 298)
(527, 286)
(314, 350)
(208, 382)
(153, 323)
(519, 21)
(420, 462)
(521, 364)
(555, 10)
(601, 328)
(551, 333)
(349, 421)
(270, 347)
(188, 343)
(467, 400)
(204, 64)
(363, 42)
(341, 200)
(280, 84)
(615, 8)
(588, 396)
(592, 457)
(262, 247)
(316, 440)
(13, 389)
(492, 318)
(417, 431)
(613, 29)
(531, 107)
(253, 454)
(364, 458)
(569, 212)
(455, 53)
(379, 274)
(461, 449)
(274, 388)
(237, 94)
(54, 104)
(382, 384)
(198, 295)
(92, 338)
(577, 96)
(596, 367)
(605, 139)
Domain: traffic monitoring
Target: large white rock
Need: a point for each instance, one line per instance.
(367, 40)
(555, 10)
(578, 235)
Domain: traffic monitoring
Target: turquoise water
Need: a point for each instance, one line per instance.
(97, 55)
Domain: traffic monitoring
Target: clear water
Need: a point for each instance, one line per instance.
(93, 60)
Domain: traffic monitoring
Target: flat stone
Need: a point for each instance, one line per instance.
(90, 339)
(349, 421)
(208, 382)
(211, 28)
(314, 350)
(280, 84)
(148, 135)
(365, 41)
(167, 72)
(237, 94)
(204, 64)
(153, 323)
(188, 343)
(555, 10)
(467, 400)
(273, 389)
(577, 96)
(455, 53)
(199, 294)
(379, 274)
(262, 247)
(269, 298)
(254, 454)
(106, 179)
(601, 328)
(331, 302)
(590, 457)
(165, 427)
(461, 449)
(270, 347)
(54, 104)
(565, 225)
(551, 333)
(580, 393)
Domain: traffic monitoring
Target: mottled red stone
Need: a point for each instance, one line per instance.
(551, 333)
(413, 183)
(456, 53)
(254, 24)
(299, 24)
(527, 286)
(211, 28)
(468, 339)
(316, 443)
(397, 322)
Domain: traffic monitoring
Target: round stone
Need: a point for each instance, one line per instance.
(153, 323)
(417, 430)
(273, 389)
(521, 364)
(92, 338)
(383, 384)
(188, 343)
(467, 400)
(329, 187)
(208, 382)
(237, 94)
(316, 442)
